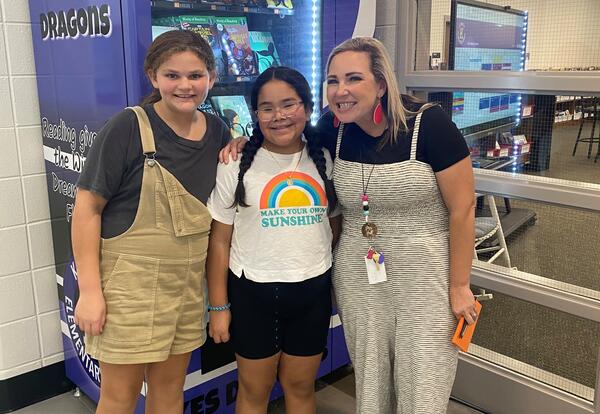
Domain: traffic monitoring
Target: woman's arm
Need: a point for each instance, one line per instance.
(456, 184)
(90, 312)
(217, 265)
(235, 146)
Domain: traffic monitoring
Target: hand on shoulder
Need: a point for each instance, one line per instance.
(231, 151)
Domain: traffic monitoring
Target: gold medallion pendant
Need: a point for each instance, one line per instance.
(369, 230)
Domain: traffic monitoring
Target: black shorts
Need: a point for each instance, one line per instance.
(267, 318)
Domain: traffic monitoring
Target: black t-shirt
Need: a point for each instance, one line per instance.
(114, 164)
(440, 143)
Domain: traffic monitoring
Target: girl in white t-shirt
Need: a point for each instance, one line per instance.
(269, 254)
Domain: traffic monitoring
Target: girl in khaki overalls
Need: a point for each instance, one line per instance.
(140, 231)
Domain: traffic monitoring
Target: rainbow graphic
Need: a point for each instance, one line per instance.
(304, 191)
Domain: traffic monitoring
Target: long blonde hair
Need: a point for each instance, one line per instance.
(381, 67)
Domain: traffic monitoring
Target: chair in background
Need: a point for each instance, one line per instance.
(487, 228)
(590, 111)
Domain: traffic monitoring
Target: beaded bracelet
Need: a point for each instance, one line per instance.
(219, 308)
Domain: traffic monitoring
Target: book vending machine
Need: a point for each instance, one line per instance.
(89, 57)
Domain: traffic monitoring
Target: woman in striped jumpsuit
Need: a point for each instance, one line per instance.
(404, 181)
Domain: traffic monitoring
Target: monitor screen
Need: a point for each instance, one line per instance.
(490, 38)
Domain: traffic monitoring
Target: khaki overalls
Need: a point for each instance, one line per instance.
(153, 274)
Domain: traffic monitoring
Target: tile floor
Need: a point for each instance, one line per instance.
(333, 397)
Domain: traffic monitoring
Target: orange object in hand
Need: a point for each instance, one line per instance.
(464, 332)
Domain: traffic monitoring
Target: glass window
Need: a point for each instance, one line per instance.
(519, 134)
(554, 242)
(550, 346)
(544, 135)
(247, 38)
(486, 35)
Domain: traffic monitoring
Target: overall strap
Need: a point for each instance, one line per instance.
(145, 131)
(415, 136)
(339, 141)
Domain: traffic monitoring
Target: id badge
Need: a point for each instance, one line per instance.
(375, 271)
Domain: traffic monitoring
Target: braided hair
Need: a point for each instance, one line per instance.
(315, 150)
(248, 153)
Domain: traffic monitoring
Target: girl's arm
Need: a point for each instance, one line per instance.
(90, 312)
(456, 184)
(217, 265)
(335, 223)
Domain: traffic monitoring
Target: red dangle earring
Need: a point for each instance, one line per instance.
(336, 121)
(378, 114)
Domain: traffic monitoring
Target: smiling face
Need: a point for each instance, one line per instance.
(183, 82)
(352, 90)
(283, 133)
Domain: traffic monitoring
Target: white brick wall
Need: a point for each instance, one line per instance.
(30, 336)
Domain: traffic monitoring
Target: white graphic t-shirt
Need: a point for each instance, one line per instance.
(284, 234)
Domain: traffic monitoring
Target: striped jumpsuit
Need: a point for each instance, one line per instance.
(398, 332)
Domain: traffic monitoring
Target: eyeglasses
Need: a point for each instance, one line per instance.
(267, 113)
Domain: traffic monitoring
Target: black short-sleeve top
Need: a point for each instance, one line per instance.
(114, 164)
(440, 143)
